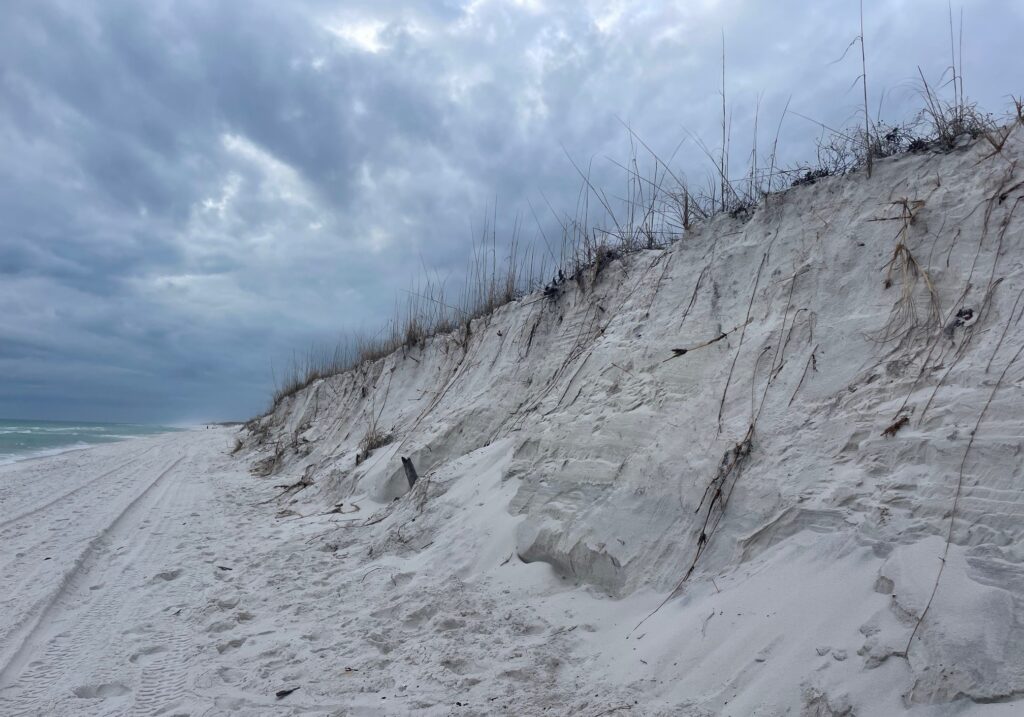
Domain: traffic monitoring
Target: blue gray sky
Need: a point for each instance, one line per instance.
(192, 190)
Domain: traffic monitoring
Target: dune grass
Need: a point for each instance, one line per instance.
(494, 277)
(660, 206)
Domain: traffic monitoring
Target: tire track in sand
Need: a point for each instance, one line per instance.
(64, 496)
(72, 595)
(163, 658)
(36, 555)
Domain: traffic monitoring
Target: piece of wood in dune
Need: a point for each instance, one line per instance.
(410, 471)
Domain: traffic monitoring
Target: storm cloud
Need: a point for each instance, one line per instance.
(191, 191)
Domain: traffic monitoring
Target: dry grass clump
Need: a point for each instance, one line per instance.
(316, 363)
(494, 278)
(904, 267)
(945, 122)
(375, 436)
(950, 121)
(374, 439)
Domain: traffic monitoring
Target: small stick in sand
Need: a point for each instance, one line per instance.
(676, 353)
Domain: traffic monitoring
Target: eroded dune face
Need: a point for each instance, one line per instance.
(845, 421)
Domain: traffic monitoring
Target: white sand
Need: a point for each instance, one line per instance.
(563, 463)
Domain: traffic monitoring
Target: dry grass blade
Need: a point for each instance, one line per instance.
(904, 266)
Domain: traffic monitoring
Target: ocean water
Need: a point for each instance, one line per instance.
(20, 440)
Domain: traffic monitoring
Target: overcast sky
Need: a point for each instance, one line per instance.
(189, 191)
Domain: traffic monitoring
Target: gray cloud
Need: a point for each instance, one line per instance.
(189, 191)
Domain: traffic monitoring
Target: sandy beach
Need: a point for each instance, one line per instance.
(157, 576)
(153, 577)
(108, 557)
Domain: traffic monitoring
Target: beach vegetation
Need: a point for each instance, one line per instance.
(660, 206)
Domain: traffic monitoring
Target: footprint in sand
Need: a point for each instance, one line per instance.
(167, 575)
(230, 645)
(146, 654)
(230, 676)
(102, 692)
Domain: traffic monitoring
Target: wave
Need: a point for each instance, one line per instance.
(54, 429)
(9, 458)
(25, 440)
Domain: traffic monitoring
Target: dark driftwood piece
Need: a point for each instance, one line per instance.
(895, 426)
(410, 471)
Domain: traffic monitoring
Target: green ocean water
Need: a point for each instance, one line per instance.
(20, 440)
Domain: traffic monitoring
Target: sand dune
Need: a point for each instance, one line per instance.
(833, 435)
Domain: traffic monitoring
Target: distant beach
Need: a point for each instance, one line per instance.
(23, 440)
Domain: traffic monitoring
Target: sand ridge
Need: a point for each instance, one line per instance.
(792, 482)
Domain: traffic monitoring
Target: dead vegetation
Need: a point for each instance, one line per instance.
(268, 465)
(893, 428)
(495, 277)
(904, 268)
(716, 494)
(374, 439)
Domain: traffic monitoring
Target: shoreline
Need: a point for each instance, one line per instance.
(69, 427)
(8, 459)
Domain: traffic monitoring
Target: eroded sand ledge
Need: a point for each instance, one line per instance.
(566, 463)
